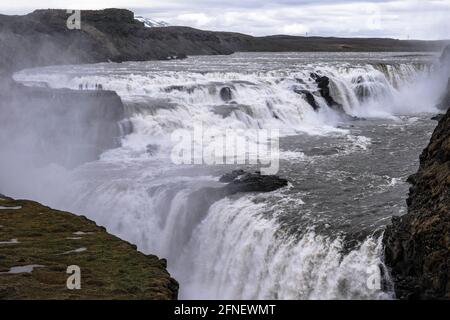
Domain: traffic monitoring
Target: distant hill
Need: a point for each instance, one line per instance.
(42, 38)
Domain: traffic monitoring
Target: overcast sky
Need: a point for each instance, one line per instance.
(417, 19)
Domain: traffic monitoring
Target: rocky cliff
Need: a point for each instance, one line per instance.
(42, 38)
(68, 127)
(417, 245)
(39, 244)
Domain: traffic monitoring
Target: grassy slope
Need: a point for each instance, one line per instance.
(110, 268)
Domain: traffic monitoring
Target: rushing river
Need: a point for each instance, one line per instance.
(318, 238)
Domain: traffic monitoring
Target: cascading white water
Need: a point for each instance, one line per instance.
(236, 247)
(161, 101)
(237, 254)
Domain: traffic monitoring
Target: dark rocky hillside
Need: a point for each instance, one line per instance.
(42, 38)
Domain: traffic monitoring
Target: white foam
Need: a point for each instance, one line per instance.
(247, 260)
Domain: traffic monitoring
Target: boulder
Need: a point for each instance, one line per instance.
(229, 177)
(226, 94)
(437, 117)
(152, 149)
(241, 181)
(255, 182)
(323, 83)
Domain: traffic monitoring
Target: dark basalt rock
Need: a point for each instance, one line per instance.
(229, 177)
(241, 181)
(417, 245)
(445, 101)
(226, 94)
(69, 127)
(323, 83)
(255, 182)
(437, 117)
(152, 149)
(309, 97)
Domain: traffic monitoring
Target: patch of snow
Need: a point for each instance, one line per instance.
(10, 208)
(23, 269)
(74, 238)
(76, 251)
(12, 241)
(80, 233)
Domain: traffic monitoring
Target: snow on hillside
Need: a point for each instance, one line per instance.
(151, 23)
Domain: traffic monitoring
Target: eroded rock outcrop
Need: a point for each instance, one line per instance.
(417, 245)
(38, 244)
(68, 127)
(241, 181)
(445, 101)
(323, 83)
(309, 97)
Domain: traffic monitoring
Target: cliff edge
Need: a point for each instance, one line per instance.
(417, 245)
(38, 244)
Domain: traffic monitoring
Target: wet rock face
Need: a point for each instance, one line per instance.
(417, 245)
(445, 102)
(63, 126)
(323, 83)
(233, 175)
(226, 94)
(309, 97)
(445, 56)
(241, 181)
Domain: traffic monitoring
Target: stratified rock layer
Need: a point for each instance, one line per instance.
(63, 126)
(34, 235)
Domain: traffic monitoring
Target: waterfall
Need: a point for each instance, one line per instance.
(235, 247)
